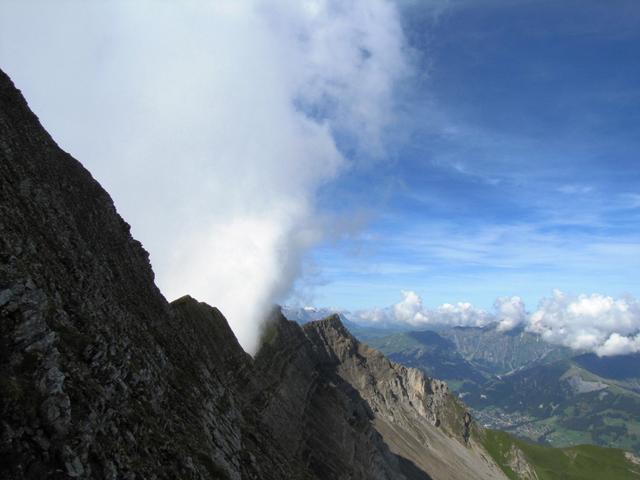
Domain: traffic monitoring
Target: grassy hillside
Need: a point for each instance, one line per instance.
(583, 462)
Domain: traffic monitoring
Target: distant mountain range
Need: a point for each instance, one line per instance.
(457, 354)
(304, 315)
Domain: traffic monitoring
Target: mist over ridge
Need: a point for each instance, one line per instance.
(218, 123)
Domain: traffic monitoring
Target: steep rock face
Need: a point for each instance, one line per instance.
(417, 417)
(101, 378)
(215, 373)
(351, 413)
(517, 461)
(317, 417)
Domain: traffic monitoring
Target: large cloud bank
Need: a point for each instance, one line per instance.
(509, 313)
(597, 323)
(213, 124)
(590, 323)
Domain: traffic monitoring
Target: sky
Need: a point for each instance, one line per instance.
(457, 159)
(521, 172)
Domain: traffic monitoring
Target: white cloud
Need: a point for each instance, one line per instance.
(596, 323)
(572, 189)
(617, 344)
(510, 312)
(411, 311)
(212, 124)
(590, 323)
(459, 314)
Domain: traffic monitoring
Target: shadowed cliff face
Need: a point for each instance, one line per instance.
(425, 427)
(101, 378)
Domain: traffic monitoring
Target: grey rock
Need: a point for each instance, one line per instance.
(5, 296)
(74, 467)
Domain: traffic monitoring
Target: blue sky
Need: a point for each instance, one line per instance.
(337, 153)
(514, 166)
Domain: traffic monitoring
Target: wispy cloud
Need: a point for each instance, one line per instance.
(572, 189)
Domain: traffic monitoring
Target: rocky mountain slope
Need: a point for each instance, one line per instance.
(101, 378)
(469, 355)
(414, 421)
(516, 382)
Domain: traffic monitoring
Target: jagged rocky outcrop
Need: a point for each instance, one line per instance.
(519, 464)
(101, 378)
(393, 421)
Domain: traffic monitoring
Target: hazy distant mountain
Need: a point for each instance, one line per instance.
(362, 331)
(468, 354)
(499, 352)
(304, 315)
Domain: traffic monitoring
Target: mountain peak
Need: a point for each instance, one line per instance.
(331, 324)
(332, 321)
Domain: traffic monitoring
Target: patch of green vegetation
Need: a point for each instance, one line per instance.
(562, 437)
(395, 343)
(455, 385)
(612, 421)
(582, 462)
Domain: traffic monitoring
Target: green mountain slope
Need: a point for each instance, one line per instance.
(523, 460)
(623, 370)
